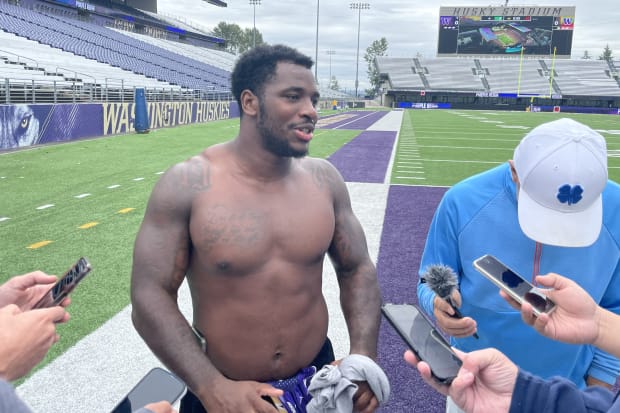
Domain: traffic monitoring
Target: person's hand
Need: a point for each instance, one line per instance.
(575, 319)
(228, 396)
(25, 290)
(26, 337)
(364, 400)
(160, 407)
(484, 383)
(456, 327)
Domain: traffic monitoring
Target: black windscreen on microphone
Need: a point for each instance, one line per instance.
(441, 279)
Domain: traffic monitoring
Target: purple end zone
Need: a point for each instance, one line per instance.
(352, 120)
(408, 215)
(366, 157)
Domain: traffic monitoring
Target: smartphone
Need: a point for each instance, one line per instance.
(158, 385)
(416, 329)
(65, 284)
(513, 284)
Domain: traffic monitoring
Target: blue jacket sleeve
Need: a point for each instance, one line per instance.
(441, 248)
(9, 401)
(558, 395)
(604, 366)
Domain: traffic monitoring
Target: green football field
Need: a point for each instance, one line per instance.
(87, 198)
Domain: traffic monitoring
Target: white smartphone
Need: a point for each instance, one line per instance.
(513, 284)
(423, 339)
(158, 385)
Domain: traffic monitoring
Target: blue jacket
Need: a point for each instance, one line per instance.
(532, 394)
(479, 216)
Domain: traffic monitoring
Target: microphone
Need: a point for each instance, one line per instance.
(442, 280)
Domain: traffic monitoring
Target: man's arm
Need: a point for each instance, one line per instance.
(160, 261)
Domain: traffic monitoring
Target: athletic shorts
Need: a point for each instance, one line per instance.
(295, 388)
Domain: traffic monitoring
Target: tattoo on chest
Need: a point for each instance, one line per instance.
(234, 228)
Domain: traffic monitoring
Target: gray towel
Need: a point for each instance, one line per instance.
(332, 387)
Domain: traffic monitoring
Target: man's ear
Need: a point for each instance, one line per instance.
(513, 172)
(249, 103)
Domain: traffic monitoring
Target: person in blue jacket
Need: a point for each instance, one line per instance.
(488, 382)
(549, 209)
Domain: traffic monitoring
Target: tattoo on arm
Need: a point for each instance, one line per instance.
(197, 175)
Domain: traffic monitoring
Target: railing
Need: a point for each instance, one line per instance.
(20, 58)
(13, 91)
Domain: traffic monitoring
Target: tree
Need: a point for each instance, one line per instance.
(607, 54)
(237, 39)
(248, 40)
(377, 48)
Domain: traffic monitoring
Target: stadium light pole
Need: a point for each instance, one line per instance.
(359, 7)
(254, 3)
(316, 45)
(330, 52)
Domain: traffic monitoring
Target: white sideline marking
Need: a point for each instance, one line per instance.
(113, 186)
(4, 219)
(512, 127)
(82, 196)
(45, 206)
(138, 179)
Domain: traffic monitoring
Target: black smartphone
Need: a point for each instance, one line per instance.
(63, 287)
(158, 385)
(513, 284)
(423, 339)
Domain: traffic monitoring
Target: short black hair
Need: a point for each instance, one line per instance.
(258, 65)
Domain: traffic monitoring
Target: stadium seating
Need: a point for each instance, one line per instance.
(113, 48)
(501, 75)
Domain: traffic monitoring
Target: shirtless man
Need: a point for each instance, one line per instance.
(249, 222)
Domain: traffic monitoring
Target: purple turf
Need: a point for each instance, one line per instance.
(407, 217)
(352, 120)
(365, 158)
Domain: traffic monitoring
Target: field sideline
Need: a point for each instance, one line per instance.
(88, 197)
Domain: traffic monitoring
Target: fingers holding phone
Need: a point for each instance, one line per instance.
(161, 407)
(456, 327)
(26, 338)
(425, 371)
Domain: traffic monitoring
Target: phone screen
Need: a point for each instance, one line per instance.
(423, 339)
(157, 385)
(63, 287)
(515, 285)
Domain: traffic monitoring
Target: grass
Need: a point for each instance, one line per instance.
(452, 145)
(447, 145)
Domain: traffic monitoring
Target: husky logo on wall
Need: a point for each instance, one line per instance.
(18, 126)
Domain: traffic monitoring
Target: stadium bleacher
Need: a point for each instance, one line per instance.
(89, 53)
(527, 76)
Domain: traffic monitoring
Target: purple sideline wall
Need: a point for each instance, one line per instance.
(26, 125)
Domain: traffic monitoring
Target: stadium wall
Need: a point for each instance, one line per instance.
(26, 125)
(489, 101)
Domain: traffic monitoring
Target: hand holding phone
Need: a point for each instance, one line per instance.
(158, 385)
(424, 340)
(513, 284)
(63, 287)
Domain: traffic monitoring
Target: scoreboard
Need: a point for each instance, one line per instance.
(480, 31)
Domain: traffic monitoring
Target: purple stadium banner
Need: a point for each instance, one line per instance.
(26, 125)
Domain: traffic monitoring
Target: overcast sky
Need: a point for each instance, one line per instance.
(410, 27)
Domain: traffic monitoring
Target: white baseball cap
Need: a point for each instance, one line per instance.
(562, 170)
